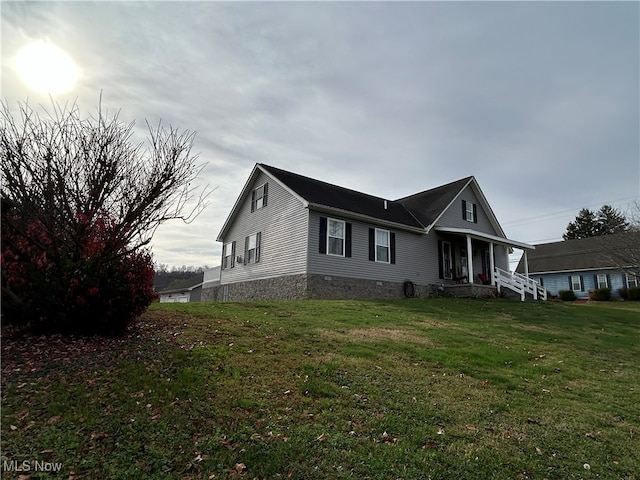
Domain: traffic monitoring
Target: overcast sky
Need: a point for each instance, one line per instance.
(539, 100)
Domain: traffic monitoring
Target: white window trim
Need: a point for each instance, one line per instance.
(344, 227)
(632, 280)
(469, 212)
(573, 283)
(387, 246)
(254, 249)
(255, 199)
(227, 251)
(600, 276)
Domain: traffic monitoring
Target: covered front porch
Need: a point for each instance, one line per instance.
(473, 263)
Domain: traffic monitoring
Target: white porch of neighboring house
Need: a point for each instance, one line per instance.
(469, 269)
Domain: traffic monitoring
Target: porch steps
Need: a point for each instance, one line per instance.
(520, 284)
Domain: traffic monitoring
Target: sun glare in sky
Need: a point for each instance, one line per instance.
(46, 68)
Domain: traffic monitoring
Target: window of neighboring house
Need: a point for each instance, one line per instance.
(228, 255)
(576, 283)
(259, 197)
(469, 211)
(382, 246)
(252, 248)
(632, 280)
(335, 237)
(601, 281)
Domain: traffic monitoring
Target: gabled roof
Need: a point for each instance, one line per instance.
(320, 194)
(573, 255)
(417, 212)
(427, 206)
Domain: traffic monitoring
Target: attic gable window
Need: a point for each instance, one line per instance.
(259, 197)
(469, 211)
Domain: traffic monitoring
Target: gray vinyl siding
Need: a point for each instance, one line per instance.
(452, 217)
(283, 227)
(414, 255)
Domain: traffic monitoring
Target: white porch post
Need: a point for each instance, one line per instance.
(492, 265)
(526, 264)
(469, 260)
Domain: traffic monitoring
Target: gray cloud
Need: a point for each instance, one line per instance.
(539, 100)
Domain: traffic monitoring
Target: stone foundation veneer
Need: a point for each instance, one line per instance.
(303, 286)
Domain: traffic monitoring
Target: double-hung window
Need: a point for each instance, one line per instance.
(601, 281)
(335, 237)
(252, 248)
(576, 283)
(228, 255)
(469, 211)
(382, 246)
(632, 280)
(259, 197)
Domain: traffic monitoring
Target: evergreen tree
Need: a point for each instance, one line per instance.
(585, 225)
(611, 221)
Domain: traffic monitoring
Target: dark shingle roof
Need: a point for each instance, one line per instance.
(325, 194)
(428, 205)
(573, 255)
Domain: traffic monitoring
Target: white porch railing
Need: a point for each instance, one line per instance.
(519, 284)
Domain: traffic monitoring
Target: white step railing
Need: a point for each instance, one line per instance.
(519, 284)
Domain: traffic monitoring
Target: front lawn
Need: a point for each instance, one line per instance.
(412, 389)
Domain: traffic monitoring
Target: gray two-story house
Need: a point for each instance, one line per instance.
(291, 237)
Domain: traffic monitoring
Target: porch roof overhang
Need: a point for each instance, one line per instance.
(485, 237)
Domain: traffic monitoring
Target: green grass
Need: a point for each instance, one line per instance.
(414, 389)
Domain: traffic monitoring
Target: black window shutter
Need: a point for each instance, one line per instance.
(253, 200)
(347, 240)
(440, 266)
(570, 283)
(464, 209)
(475, 213)
(372, 244)
(392, 244)
(608, 281)
(595, 281)
(322, 237)
(233, 254)
(246, 250)
(258, 238)
(264, 195)
(581, 284)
